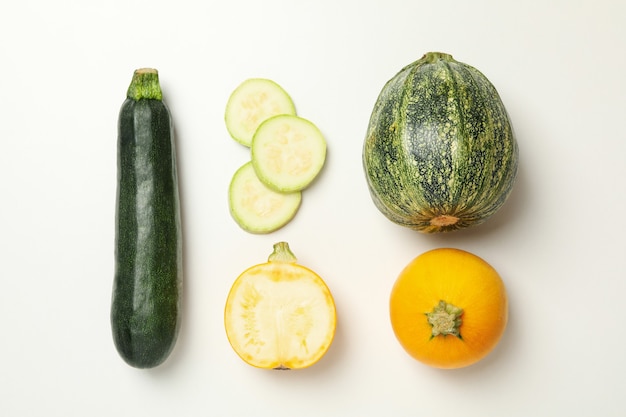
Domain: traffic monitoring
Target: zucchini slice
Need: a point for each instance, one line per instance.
(147, 287)
(257, 208)
(252, 102)
(288, 152)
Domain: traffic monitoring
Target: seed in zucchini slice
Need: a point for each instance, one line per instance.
(257, 208)
(251, 103)
(288, 152)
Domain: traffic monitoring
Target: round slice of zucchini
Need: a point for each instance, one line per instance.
(257, 208)
(288, 152)
(251, 103)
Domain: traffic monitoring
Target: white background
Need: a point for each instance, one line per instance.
(558, 242)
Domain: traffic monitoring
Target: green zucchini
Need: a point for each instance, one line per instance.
(147, 288)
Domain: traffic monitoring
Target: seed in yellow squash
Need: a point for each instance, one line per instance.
(279, 314)
(448, 308)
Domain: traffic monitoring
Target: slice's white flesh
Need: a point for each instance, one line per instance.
(288, 152)
(252, 102)
(257, 208)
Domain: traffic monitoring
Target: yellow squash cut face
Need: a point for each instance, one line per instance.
(280, 315)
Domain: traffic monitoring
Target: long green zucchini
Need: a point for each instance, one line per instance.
(147, 289)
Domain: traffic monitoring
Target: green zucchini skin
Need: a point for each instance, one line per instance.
(147, 289)
(440, 152)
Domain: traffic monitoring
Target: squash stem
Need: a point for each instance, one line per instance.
(145, 85)
(445, 319)
(431, 57)
(282, 253)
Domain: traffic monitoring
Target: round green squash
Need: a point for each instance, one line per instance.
(439, 153)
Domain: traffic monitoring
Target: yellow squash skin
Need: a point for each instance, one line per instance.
(461, 280)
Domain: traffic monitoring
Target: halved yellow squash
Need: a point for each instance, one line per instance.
(279, 314)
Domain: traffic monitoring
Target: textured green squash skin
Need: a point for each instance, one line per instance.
(145, 308)
(439, 143)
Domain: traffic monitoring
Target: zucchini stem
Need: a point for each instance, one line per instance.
(145, 85)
